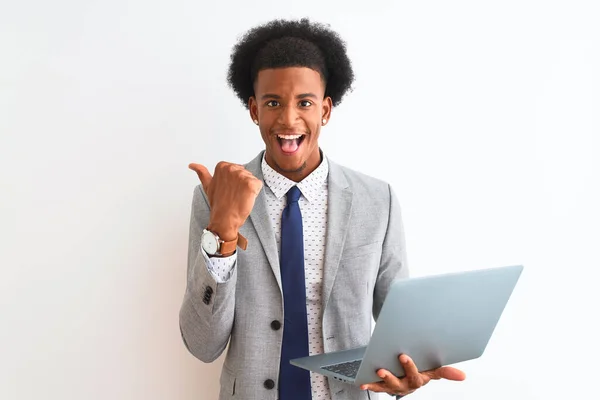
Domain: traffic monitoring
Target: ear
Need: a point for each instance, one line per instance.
(253, 108)
(326, 109)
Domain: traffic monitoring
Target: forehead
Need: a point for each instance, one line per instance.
(289, 81)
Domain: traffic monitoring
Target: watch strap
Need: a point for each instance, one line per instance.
(229, 247)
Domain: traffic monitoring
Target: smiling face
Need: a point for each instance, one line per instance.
(289, 106)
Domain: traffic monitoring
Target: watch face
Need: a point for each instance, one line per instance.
(209, 243)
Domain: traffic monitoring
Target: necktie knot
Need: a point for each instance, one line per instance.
(293, 194)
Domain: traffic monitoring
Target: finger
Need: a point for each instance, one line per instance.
(244, 173)
(412, 379)
(375, 387)
(224, 165)
(256, 186)
(410, 369)
(449, 373)
(203, 174)
(392, 382)
(253, 182)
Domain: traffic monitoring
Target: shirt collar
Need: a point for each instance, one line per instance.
(309, 186)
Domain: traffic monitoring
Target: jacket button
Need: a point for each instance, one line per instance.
(269, 384)
(275, 325)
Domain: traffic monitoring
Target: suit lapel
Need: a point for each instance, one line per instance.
(261, 222)
(338, 216)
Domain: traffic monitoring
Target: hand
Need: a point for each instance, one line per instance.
(231, 194)
(412, 380)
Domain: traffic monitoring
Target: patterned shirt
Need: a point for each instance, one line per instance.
(313, 206)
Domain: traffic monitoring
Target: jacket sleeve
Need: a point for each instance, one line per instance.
(393, 263)
(207, 312)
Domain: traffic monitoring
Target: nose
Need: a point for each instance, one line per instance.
(288, 116)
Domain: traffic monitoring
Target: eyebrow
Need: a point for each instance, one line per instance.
(300, 96)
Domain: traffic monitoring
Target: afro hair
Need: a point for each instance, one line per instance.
(290, 43)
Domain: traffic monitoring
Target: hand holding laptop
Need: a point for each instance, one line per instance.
(412, 380)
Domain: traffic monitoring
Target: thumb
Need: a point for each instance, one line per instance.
(203, 174)
(448, 373)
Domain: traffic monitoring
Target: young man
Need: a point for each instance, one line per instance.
(324, 242)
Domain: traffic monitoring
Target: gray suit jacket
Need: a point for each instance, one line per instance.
(364, 253)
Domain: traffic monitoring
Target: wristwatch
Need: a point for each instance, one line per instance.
(213, 245)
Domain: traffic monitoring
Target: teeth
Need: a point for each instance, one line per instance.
(289, 137)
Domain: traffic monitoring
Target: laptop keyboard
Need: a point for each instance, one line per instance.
(349, 368)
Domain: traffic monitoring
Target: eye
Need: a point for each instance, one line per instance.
(305, 103)
(272, 103)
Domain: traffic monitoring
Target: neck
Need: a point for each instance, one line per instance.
(299, 174)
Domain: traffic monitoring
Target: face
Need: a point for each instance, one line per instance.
(289, 105)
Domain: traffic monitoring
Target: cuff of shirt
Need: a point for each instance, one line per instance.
(221, 268)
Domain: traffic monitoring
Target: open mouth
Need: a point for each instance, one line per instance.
(290, 143)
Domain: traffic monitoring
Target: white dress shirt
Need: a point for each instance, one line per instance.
(313, 206)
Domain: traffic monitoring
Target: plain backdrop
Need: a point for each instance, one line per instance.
(484, 117)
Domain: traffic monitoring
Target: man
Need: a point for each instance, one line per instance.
(324, 242)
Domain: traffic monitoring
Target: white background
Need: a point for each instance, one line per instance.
(484, 116)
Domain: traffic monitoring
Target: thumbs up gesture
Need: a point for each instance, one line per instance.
(231, 194)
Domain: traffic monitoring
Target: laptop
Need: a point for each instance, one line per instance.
(437, 320)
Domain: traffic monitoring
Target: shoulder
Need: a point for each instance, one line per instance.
(359, 181)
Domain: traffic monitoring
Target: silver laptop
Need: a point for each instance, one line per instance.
(436, 320)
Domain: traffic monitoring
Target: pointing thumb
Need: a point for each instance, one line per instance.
(203, 174)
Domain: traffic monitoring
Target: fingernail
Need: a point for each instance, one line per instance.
(381, 374)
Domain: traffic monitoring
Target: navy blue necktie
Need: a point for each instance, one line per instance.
(294, 382)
